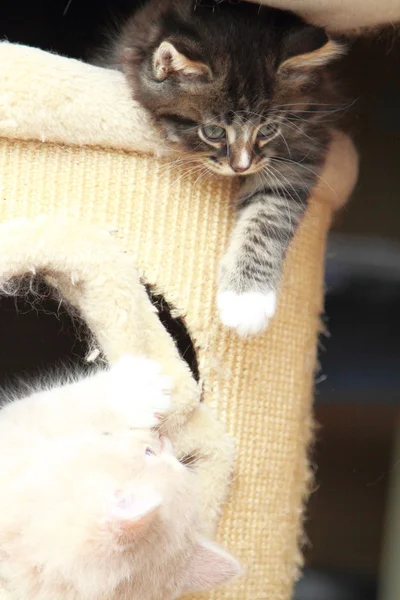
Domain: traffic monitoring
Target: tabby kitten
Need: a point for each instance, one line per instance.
(242, 89)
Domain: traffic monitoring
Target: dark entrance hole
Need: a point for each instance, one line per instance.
(40, 332)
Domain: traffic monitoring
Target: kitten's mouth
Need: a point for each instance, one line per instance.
(223, 168)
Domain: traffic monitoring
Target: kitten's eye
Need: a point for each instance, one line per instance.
(149, 451)
(266, 131)
(213, 132)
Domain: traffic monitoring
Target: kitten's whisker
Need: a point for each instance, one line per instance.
(255, 114)
(175, 161)
(186, 175)
(291, 125)
(269, 179)
(305, 185)
(310, 171)
(174, 168)
(191, 173)
(177, 165)
(286, 144)
(203, 175)
(285, 201)
(241, 118)
(336, 104)
(288, 182)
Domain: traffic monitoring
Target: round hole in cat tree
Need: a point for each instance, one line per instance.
(40, 332)
(177, 329)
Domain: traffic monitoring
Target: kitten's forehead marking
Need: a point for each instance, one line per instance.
(241, 131)
(231, 134)
(247, 131)
(244, 159)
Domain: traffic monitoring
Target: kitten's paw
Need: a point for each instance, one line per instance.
(141, 390)
(249, 313)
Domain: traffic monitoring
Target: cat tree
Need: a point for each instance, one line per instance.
(67, 131)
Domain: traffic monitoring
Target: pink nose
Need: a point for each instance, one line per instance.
(240, 168)
(240, 160)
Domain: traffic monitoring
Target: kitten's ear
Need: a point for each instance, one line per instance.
(307, 48)
(209, 567)
(131, 512)
(167, 61)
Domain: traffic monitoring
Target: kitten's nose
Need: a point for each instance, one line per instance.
(240, 161)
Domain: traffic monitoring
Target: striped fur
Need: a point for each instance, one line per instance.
(259, 74)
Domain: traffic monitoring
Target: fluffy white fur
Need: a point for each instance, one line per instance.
(91, 272)
(247, 313)
(94, 503)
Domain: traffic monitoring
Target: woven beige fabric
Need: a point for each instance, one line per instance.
(176, 227)
(261, 389)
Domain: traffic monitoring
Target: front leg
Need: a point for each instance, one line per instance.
(132, 393)
(138, 391)
(252, 266)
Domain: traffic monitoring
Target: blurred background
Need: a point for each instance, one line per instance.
(353, 518)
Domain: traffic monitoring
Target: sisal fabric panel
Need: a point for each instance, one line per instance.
(176, 226)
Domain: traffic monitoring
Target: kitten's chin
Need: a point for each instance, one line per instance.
(227, 171)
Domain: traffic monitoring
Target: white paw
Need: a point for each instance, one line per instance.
(249, 313)
(140, 390)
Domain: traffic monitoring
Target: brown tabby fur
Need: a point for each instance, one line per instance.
(239, 66)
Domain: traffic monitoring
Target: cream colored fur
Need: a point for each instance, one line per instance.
(84, 105)
(91, 272)
(343, 16)
(94, 504)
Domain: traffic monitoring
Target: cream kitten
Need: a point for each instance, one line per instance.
(94, 504)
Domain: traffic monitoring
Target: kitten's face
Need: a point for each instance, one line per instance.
(232, 143)
(118, 519)
(232, 88)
